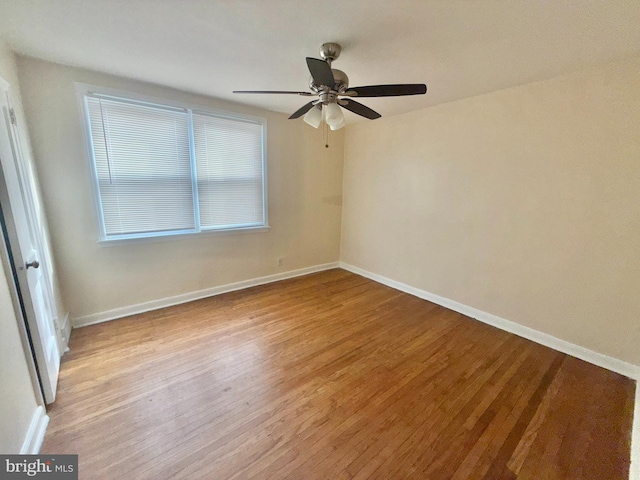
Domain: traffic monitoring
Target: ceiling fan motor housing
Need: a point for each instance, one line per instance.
(341, 82)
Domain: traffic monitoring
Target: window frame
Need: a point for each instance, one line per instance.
(83, 89)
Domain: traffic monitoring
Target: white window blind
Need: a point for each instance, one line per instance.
(142, 160)
(151, 179)
(229, 164)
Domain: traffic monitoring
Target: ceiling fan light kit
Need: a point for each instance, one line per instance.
(329, 84)
(314, 116)
(338, 126)
(333, 115)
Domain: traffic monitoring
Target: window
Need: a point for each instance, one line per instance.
(167, 170)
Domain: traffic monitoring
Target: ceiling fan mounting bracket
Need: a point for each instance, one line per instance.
(330, 51)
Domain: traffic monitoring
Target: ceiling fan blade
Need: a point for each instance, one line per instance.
(321, 72)
(306, 94)
(301, 111)
(387, 90)
(359, 108)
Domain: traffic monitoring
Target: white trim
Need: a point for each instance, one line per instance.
(132, 95)
(194, 172)
(634, 473)
(188, 297)
(172, 237)
(29, 188)
(599, 359)
(64, 333)
(35, 435)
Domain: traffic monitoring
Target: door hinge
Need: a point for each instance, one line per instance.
(12, 116)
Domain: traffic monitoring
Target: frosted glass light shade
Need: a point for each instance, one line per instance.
(333, 115)
(313, 117)
(338, 126)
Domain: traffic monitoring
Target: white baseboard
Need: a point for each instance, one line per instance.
(634, 474)
(188, 297)
(65, 332)
(599, 359)
(35, 435)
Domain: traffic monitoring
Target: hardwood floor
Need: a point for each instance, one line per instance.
(332, 376)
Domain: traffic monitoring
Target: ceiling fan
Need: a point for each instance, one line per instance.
(330, 84)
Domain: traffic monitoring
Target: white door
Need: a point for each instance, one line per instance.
(24, 237)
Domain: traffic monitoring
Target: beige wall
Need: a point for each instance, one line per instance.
(305, 182)
(523, 203)
(17, 399)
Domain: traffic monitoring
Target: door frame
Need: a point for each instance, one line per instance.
(26, 192)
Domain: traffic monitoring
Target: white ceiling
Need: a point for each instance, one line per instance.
(459, 48)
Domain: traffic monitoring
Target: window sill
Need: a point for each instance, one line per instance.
(171, 237)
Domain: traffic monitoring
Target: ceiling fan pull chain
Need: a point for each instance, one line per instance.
(326, 135)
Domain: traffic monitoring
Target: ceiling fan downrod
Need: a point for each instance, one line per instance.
(330, 51)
